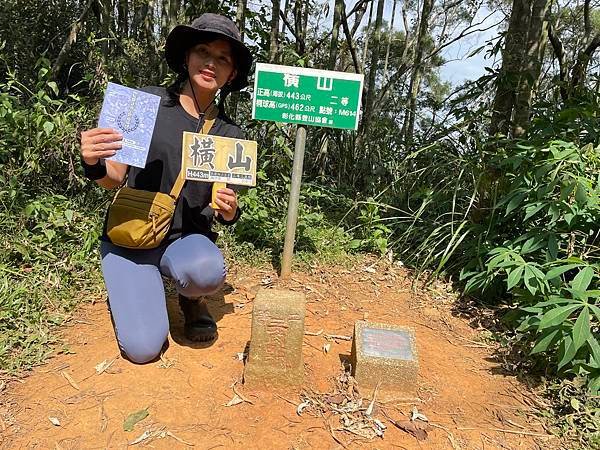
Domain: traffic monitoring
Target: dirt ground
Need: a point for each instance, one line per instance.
(463, 392)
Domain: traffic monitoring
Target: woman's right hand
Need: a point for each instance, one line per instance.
(99, 143)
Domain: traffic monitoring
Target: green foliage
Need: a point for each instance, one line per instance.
(547, 226)
(49, 261)
(263, 222)
(48, 239)
(31, 30)
(574, 412)
(517, 219)
(372, 232)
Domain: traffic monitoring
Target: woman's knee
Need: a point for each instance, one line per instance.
(204, 279)
(197, 266)
(141, 351)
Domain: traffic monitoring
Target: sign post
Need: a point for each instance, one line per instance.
(311, 97)
(292, 217)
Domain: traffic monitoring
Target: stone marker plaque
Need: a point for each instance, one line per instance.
(385, 354)
(275, 356)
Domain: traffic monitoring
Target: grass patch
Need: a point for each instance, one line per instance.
(49, 265)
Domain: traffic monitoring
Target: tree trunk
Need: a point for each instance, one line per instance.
(578, 73)
(139, 17)
(367, 35)
(370, 94)
(587, 25)
(168, 15)
(532, 65)
(123, 17)
(512, 63)
(417, 73)
(149, 20)
(174, 7)
(300, 25)
(374, 63)
(559, 53)
(240, 16)
(390, 35)
(349, 41)
(573, 81)
(359, 14)
(273, 47)
(105, 8)
(164, 17)
(333, 47)
(75, 29)
(286, 13)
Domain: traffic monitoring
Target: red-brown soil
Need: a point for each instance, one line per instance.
(469, 401)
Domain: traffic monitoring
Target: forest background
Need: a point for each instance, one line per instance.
(493, 184)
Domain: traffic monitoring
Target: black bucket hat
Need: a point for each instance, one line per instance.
(210, 26)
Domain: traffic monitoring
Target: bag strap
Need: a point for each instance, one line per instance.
(209, 120)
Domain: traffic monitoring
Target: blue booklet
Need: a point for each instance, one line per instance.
(132, 113)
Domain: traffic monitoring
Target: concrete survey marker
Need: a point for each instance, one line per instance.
(275, 356)
(384, 355)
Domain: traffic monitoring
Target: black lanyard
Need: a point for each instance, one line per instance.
(201, 115)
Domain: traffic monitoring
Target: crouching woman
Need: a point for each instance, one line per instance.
(208, 56)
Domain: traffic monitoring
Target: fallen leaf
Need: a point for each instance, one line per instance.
(335, 399)
(412, 428)
(416, 415)
(179, 439)
(266, 281)
(311, 333)
(54, 421)
(101, 368)
(369, 410)
(103, 418)
(134, 418)
(301, 407)
(240, 395)
(166, 363)
(390, 256)
(145, 435)
(236, 400)
(70, 380)
(380, 424)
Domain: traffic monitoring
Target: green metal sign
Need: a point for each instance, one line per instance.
(312, 97)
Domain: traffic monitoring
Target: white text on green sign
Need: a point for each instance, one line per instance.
(314, 97)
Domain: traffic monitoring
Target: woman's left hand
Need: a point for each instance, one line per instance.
(226, 200)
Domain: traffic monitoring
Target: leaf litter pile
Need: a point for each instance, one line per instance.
(357, 416)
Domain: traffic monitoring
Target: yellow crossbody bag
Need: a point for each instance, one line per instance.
(141, 219)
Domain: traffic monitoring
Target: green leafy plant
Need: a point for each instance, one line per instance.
(49, 222)
(372, 230)
(548, 219)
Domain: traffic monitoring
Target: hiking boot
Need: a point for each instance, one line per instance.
(199, 325)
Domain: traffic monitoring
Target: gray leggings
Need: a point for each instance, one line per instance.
(136, 293)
